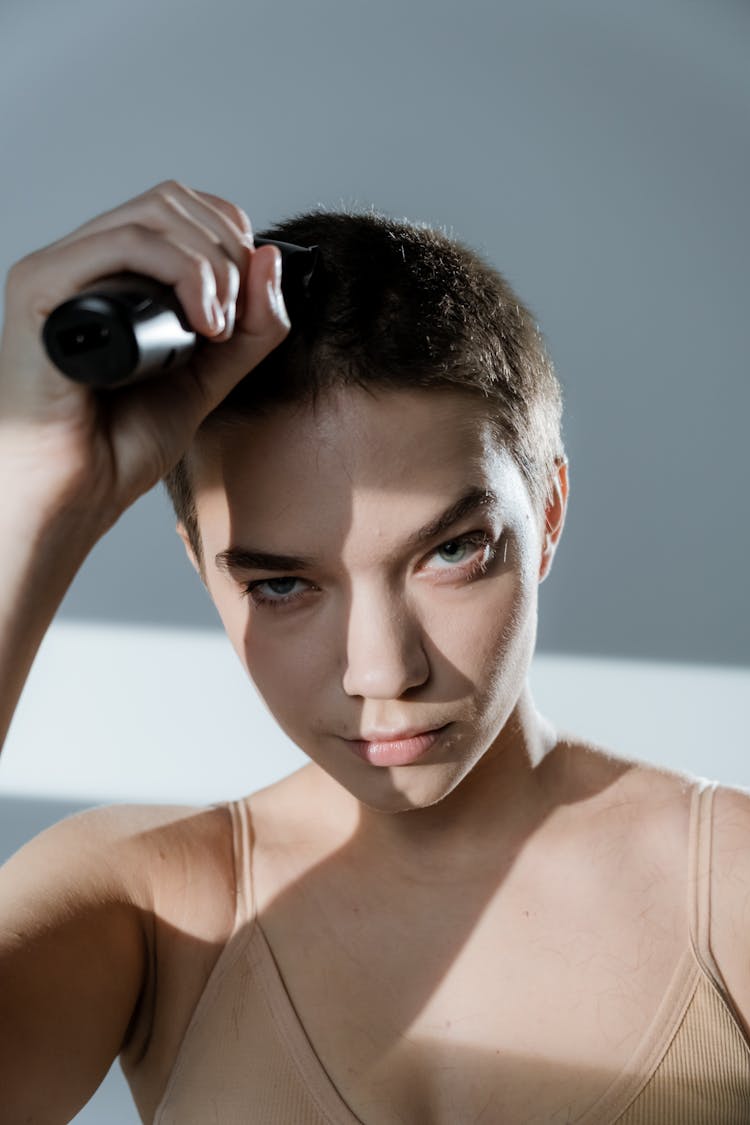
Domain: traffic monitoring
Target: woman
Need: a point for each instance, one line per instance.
(454, 913)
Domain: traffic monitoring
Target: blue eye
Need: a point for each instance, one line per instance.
(273, 582)
(284, 596)
(455, 556)
(459, 550)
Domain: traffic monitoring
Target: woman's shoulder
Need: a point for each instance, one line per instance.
(180, 855)
(142, 845)
(79, 929)
(180, 868)
(633, 783)
(173, 863)
(118, 844)
(665, 823)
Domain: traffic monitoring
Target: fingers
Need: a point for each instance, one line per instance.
(234, 213)
(226, 219)
(199, 222)
(129, 247)
(198, 244)
(260, 330)
(265, 304)
(172, 408)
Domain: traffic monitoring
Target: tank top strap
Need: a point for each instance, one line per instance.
(242, 845)
(699, 878)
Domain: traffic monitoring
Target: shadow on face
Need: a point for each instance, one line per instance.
(383, 573)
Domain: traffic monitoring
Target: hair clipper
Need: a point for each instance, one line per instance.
(129, 327)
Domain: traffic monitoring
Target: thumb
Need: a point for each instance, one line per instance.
(262, 323)
(164, 414)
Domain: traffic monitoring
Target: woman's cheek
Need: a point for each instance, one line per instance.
(474, 634)
(285, 665)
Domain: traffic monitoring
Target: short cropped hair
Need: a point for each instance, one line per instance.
(400, 305)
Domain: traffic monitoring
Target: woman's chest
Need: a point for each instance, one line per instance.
(520, 1007)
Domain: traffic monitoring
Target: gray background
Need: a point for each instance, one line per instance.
(596, 152)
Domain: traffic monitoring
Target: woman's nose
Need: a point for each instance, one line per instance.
(385, 655)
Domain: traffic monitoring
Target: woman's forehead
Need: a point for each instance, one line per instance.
(368, 440)
(364, 472)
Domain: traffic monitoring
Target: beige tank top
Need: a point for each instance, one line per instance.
(246, 1059)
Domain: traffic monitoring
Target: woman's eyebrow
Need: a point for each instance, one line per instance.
(476, 497)
(252, 558)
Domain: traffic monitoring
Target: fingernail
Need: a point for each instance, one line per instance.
(217, 316)
(277, 270)
(276, 301)
(281, 304)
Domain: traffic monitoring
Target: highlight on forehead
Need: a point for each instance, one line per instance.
(244, 557)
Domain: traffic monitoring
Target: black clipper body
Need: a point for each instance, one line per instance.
(130, 327)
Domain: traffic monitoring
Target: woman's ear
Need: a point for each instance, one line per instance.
(554, 516)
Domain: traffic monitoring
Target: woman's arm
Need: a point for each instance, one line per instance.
(74, 913)
(44, 539)
(75, 941)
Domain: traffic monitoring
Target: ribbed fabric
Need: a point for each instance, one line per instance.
(246, 1059)
(693, 1064)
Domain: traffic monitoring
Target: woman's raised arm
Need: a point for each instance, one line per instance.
(73, 930)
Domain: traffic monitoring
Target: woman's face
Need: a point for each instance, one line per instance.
(387, 626)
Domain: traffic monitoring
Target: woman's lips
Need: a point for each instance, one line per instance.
(396, 752)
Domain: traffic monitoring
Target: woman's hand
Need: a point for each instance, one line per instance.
(71, 443)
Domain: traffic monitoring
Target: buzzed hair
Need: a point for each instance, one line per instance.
(396, 305)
